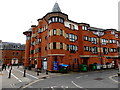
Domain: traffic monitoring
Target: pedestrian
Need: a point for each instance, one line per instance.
(8, 65)
(5, 66)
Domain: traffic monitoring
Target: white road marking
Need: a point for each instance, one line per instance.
(63, 87)
(76, 85)
(28, 74)
(66, 86)
(15, 76)
(52, 88)
(85, 75)
(32, 83)
(78, 77)
(113, 79)
(81, 76)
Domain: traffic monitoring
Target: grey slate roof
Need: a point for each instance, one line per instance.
(11, 46)
(56, 8)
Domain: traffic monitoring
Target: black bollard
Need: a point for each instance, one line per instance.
(24, 73)
(9, 74)
(37, 72)
(46, 72)
(40, 70)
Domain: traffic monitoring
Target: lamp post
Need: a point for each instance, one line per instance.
(99, 37)
(119, 69)
(99, 33)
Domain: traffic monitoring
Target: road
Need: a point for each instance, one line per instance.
(84, 80)
(96, 79)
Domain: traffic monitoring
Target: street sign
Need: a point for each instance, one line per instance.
(55, 65)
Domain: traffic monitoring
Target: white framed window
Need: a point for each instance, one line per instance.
(76, 48)
(72, 37)
(54, 32)
(112, 32)
(84, 28)
(56, 19)
(61, 20)
(112, 41)
(76, 37)
(117, 43)
(116, 35)
(94, 50)
(105, 50)
(86, 38)
(86, 48)
(67, 35)
(104, 41)
(39, 40)
(113, 50)
(53, 19)
(93, 40)
(61, 32)
(72, 49)
(73, 27)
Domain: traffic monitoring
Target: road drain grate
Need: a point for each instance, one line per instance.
(98, 79)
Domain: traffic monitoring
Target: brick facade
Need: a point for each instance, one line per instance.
(13, 53)
(56, 38)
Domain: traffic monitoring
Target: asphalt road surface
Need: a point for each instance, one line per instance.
(78, 80)
(94, 79)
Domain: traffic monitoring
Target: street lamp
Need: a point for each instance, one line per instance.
(99, 33)
(99, 36)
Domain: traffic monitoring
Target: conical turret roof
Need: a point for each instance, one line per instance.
(56, 8)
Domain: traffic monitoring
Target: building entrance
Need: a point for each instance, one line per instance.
(14, 61)
(44, 63)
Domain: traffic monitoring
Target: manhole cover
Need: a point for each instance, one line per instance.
(98, 79)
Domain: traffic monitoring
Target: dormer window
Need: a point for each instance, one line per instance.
(84, 28)
(112, 32)
(55, 19)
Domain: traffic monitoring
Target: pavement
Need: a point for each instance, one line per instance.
(17, 80)
(102, 78)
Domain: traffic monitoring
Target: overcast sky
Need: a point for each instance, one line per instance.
(17, 16)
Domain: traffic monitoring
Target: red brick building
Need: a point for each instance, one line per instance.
(12, 53)
(56, 38)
